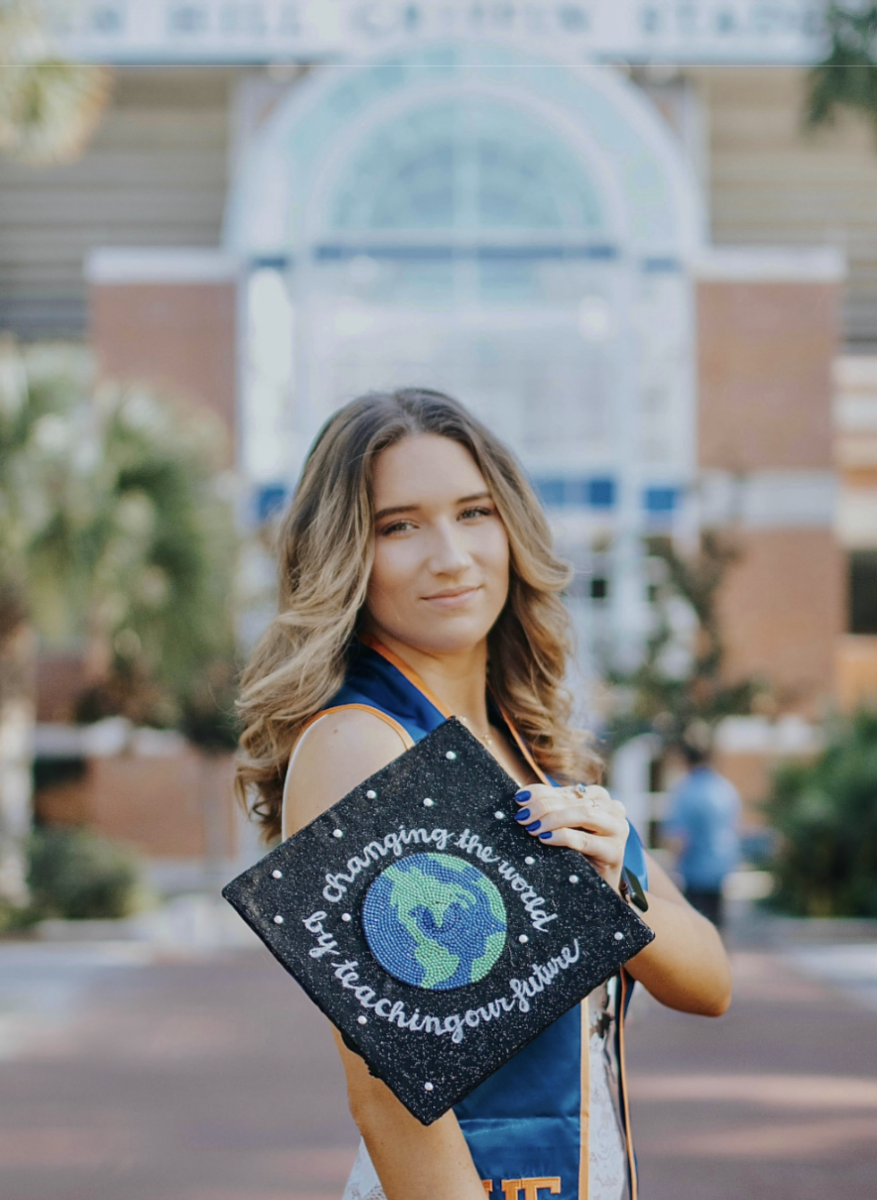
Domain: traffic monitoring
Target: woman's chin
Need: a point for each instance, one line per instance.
(445, 637)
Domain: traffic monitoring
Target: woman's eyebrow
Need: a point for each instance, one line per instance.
(401, 508)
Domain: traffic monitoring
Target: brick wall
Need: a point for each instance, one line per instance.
(766, 346)
(784, 607)
(177, 806)
(173, 807)
(765, 354)
(856, 667)
(177, 336)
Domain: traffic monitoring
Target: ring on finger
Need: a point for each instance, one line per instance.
(581, 790)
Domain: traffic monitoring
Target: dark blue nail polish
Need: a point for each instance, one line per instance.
(522, 797)
(544, 836)
(532, 828)
(522, 815)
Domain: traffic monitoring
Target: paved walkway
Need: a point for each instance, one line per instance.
(153, 1073)
(776, 1100)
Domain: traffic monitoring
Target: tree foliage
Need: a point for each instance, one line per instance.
(49, 107)
(680, 684)
(826, 815)
(847, 76)
(116, 533)
(79, 876)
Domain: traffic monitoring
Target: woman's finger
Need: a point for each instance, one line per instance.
(598, 797)
(534, 802)
(593, 820)
(539, 799)
(585, 819)
(594, 795)
(534, 793)
(603, 852)
(576, 811)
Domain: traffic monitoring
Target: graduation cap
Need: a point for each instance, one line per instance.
(430, 928)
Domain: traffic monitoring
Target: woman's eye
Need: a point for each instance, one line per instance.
(397, 527)
(476, 512)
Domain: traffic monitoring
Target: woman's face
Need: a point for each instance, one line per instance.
(441, 566)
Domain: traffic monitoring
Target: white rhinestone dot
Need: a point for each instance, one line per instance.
(277, 874)
(619, 937)
(362, 1020)
(529, 860)
(346, 917)
(338, 833)
(523, 938)
(427, 1087)
(451, 755)
(499, 815)
(372, 795)
(278, 920)
(573, 878)
(428, 803)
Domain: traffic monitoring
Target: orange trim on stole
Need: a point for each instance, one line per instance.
(622, 1071)
(585, 1107)
(522, 745)
(415, 680)
(585, 1113)
(403, 668)
(407, 740)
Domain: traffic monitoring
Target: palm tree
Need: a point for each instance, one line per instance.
(847, 76)
(48, 110)
(48, 107)
(17, 658)
(679, 691)
(116, 533)
(21, 502)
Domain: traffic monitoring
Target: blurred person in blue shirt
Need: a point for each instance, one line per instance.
(702, 828)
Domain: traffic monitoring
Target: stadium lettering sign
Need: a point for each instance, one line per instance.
(755, 31)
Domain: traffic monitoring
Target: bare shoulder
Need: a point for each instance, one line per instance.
(332, 757)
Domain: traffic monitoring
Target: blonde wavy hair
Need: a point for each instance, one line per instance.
(325, 545)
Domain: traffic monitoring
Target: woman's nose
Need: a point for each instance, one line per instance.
(450, 555)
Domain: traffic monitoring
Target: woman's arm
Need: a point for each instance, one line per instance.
(413, 1161)
(330, 758)
(686, 966)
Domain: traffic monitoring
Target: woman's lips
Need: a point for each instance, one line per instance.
(457, 598)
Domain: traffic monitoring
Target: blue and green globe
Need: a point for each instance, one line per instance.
(434, 921)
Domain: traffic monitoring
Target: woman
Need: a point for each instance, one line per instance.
(417, 580)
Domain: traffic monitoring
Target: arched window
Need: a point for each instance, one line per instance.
(462, 168)
(516, 236)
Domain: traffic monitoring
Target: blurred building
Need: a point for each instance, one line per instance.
(647, 277)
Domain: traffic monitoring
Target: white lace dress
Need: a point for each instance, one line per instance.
(607, 1175)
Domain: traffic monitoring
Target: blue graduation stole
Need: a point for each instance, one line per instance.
(527, 1125)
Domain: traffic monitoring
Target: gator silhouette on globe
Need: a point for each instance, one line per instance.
(434, 921)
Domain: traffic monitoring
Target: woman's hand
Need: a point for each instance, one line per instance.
(685, 967)
(586, 819)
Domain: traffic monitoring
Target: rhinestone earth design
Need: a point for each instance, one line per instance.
(434, 921)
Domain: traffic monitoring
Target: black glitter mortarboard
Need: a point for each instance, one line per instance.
(430, 928)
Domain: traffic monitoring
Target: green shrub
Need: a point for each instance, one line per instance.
(825, 813)
(15, 919)
(80, 876)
